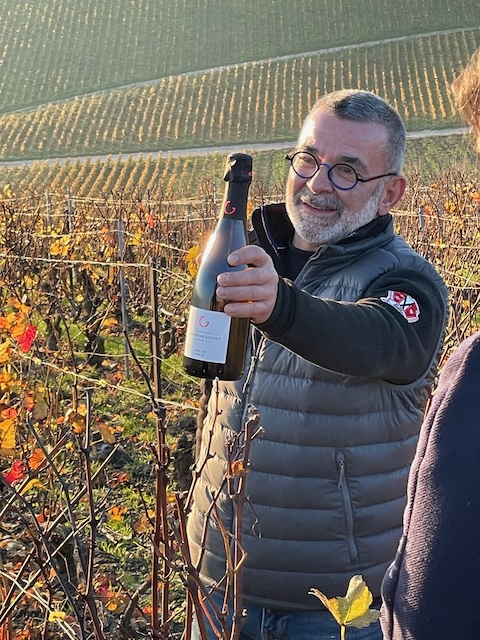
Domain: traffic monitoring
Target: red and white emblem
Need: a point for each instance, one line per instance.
(404, 304)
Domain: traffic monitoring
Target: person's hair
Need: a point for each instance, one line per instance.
(365, 106)
(466, 91)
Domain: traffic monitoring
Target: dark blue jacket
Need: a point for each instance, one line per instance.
(432, 589)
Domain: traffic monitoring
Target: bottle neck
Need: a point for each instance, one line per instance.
(234, 201)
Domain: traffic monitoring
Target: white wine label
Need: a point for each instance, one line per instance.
(207, 335)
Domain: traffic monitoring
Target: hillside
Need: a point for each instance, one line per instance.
(53, 49)
(153, 77)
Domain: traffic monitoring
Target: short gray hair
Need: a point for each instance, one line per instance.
(365, 106)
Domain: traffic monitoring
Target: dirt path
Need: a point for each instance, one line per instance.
(203, 151)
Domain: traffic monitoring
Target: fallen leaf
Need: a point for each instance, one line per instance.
(77, 418)
(116, 513)
(145, 522)
(107, 433)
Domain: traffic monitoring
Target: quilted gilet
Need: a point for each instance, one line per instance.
(328, 474)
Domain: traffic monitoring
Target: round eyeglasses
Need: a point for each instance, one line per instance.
(341, 175)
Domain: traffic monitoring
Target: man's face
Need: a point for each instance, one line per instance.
(320, 213)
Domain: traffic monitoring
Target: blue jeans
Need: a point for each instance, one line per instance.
(273, 624)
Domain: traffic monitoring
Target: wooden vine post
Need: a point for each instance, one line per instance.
(161, 551)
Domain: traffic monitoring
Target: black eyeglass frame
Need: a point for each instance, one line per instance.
(290, 157)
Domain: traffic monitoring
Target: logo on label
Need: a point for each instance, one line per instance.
(404, 304)
(228, 209)
(203, 322)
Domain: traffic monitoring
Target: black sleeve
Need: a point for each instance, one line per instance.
(368, 338)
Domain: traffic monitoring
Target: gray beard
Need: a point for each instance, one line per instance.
(318, 230)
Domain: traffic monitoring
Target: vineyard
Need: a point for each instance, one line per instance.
(97, 259)
(96, 419)
(166, 177)
(242, 103)
(53, 49)
(150, 103)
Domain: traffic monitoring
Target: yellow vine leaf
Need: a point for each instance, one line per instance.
(7, 434)
(450, 206)
(8, 321)
(5, 352)
(20, 325)
(31, 484)
(60, 246)
(7, 192)
(55, 616)
(18, 304)
(191, 259)
(116, 604)
(29, 282)
(351, 610)
(136, 239)
(108, 323)
(8, 380)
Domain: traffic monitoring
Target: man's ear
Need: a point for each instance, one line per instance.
(392, 192)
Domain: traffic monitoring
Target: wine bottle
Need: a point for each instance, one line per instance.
(215, 343)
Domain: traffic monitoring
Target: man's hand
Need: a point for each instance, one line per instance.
(251, 292)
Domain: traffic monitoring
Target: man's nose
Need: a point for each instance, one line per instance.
(320, 183)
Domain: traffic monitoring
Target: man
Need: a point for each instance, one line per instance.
(348, 325)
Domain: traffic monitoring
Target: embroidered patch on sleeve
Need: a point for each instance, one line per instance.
(404, 304)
